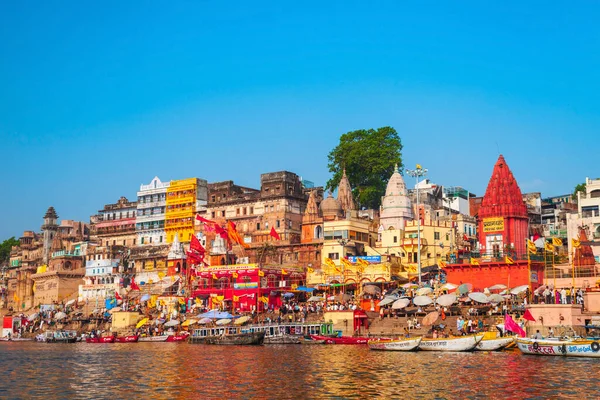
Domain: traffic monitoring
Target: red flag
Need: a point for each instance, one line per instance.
(196, 245)
(274, 234)
(536, 236)
(234, 236)
(117, 296)
(204, 220)
(511, 325)
(221, 232)
(194, 257)
(134, 286)
(527, 316)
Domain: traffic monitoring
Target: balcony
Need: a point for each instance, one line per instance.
(151, 204)
(149, 218)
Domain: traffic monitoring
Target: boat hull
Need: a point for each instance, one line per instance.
(243, 339)
(564, 348)
(461, 343)
(395, 345)
(341, 340)
(494, 344)
(285, 339)
(178, 338)
(127, 339)
(109, 339)
(162, 338)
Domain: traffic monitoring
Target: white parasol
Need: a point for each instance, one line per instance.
(424, 290)
(223, 321)
(449, 286)
(387, 300)
(68, 303)
(422, 301)
(495, 298)
(400, 303)
(60, 315)
(172, 322)
(478, 297)
(446, 300)
(497, 286)
(32, 317)
(519, 289)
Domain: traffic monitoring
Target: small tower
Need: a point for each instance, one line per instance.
(312, 221)
(345, 194)
(396, 207)
(176, 257)
(49, 229)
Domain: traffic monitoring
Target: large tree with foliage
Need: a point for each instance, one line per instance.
(369, 157)
(579, 188)
(5, 249)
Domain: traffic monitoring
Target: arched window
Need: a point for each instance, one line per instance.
(271, 280)
(318, 232)
(223, 283)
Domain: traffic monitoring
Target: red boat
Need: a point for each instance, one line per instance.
(181, 337)
(341, 340)
(128, 339)
(104, 339)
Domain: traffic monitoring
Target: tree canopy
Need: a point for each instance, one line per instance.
(579, 188)
(369, 157)
(5, 249)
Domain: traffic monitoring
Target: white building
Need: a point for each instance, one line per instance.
(150, 219)
(100, 281)
(588, 216)
(396, 207)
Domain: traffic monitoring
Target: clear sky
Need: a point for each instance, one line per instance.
(98, 98)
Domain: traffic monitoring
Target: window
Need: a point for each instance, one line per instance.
(266, 225)
(258, 226)
(237, 211)
(290, 225)
(114, 242)
(436, 235)
(123, 243)
(395, 239)
(223, 213)
(271, 207)
(134, 242)
(277, 223)
(150, 239)
(334, 256)
(142, 240)
(212, 214)
(251, 210)
(160, 239)
(245, 210)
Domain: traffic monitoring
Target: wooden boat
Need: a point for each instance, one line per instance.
(458, 343)
(60, 337)
(341, 340)
(127, 339)
(406, 344)
(560, 347)
(180, 337)
(311, 341)
(161, 338)
(494, 344)
(103, 339)
(250, 338)
(284, 333)
(13, 339)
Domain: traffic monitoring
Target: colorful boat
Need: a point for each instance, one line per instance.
(406, 344)
(458, 343)
(245, 339)
(180, 337)
(341, 339)
(161, 338)
(494, 344)
(560, 347)
(103, 339)
(127, 339)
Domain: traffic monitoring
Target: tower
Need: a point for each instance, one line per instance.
(396, 208)
(312, 221)
(345, 194)
(176, 257)
(49, 229)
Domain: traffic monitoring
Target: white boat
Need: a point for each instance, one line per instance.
(458, 343)
(494, 344)
(560, 347)
(407, 344)
(161, 338)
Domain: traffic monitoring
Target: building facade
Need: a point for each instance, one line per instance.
(114, 225)
(184, 198)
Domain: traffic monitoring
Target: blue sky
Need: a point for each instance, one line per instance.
(97, 99)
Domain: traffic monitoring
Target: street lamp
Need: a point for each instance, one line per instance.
(417, 173)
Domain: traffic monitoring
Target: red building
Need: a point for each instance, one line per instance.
(242, 286)
(502, 232)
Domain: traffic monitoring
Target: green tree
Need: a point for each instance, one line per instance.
(369, 157)
(579, 188)
(5, 249)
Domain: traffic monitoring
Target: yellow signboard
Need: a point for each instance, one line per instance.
(493, 224)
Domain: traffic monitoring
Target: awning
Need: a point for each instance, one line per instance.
(305, 289)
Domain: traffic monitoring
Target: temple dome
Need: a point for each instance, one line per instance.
(331, 207)
(396, 206)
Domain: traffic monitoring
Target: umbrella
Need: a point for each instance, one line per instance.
(409, 286)
(215, 314)
(422, 301)
(60, 315)
(497, 287)
(372, 289)
(242, 320)
(204, 321)
(430, 318)
(315, 298)
(400, 303)
(224, 321)
(540, 289)
(424, 290)
(446, 300)
(288, 295)
(172, 322)
(159, 321)
(68, 303)
(115, 309)
(141, 323)
(519, 289)
(464, 299)
(465, 288)
(486, 291)
(478, 297)
(305, 289)
(449, 286)
(342, 297)
(145, 297)
(32, 317)
(189, 322)
(495, 298)
(386, 301)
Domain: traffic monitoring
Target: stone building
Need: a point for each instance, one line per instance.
(114, 225)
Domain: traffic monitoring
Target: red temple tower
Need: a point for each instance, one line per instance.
(503, 222)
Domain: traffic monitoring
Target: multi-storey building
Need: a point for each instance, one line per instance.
(114, 225)
(587, 218)
(184, 199)
(102, 275)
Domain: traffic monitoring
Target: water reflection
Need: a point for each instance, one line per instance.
(161, 370)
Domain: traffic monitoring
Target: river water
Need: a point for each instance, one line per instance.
(189, 371)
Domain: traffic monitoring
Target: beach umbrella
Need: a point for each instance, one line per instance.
(215, 314)
(422, 301)
(400, 303)
(158, 321)
(141, 323)
(241, 320)
(386, 301)
(205, 321)
(288, 295)
(430, 318)
(410, 286)
(497, 286)
(172, 322)
(495, 298)
(315, 298)
(60, 315)
(486, 291)
(478, 297)
(224, 321)
(449, 286)
(465, 288)
(342, 297)
(423, 291)
(145, 297)
(32, 317)
(519, 289)
(372, 289)
(188, 322)
(446, 300)
(68, 303)
(540, 289)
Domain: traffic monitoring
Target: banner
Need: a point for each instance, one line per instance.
(493, 224)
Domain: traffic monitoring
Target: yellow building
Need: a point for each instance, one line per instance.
(437, 242)
(184, 199)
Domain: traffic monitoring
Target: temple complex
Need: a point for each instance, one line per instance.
(396, 207)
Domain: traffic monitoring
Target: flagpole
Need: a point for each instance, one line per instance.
(529, 269)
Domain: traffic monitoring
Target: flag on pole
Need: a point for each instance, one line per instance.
(233, 235)
(549, 247)
(134, 286)
(214, 276)
(196, 245)
(531, 247)
(557, 242)
(442, 264)
(235, 275)
(236, 298)
(16, 298)
(261, 273)
(274, 234)
(512, 326)
(283, 272)
(204, 220)
(310, 270)
(508, 260)
(474, 261)
(117, 296)
(576, 243)
(527, 316)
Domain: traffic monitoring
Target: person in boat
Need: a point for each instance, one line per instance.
(406, 332)
(435, 334)
(550, 332)
(538, 335)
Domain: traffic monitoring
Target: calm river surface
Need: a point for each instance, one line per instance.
(187, 371)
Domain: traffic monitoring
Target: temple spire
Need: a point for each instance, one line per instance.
(502, 196)
(345, 193)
